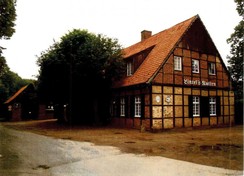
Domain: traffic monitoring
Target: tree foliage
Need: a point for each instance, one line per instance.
(10, 82)
(240, 7)
(236, 59)
(78, 71)
(7, 19)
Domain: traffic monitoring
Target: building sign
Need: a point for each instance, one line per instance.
(198, 82)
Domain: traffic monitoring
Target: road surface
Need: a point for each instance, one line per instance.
(26, 154)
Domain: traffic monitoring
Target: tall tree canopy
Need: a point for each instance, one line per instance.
(235, 60)
(10, 82)
(7, 19)
(78, 71)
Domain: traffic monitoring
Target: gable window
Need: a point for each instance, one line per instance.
(129, 68)
(177, 63)
(212, 106)
(195, 66)
(196, 106)
(211, 68)
(122, 106)
(137, 106)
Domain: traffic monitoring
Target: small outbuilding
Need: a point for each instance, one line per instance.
(23, 105)
(175, 78)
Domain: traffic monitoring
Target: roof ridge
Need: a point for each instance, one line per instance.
(153, 36)
(182, 22)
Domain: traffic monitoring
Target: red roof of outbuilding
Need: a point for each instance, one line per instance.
(163, 43)
(16, 94)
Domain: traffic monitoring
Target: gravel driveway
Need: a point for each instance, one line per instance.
(24, 153)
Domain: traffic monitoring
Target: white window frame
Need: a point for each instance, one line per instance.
(137, 106)
(129, 68)
(122, 106)
(212, 106)
(211, 68)
(177, 63)
(196, 106)
(195, 66)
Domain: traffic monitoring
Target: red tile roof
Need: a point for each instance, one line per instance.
(164, 42)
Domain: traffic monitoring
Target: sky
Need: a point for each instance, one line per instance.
(41, 22)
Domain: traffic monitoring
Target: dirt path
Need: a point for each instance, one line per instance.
(218, 147)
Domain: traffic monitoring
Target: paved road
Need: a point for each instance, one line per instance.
(26, 154)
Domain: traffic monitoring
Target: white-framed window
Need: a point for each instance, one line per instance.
(122, 106)
(196, 106)
(129, 68)
(177, 63)
(137, 106)
(212, 106)
(211, 68)
(195, 66)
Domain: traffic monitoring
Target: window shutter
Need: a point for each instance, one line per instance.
(218, 110)
(132, 106)
(190, 99)
(204, 106)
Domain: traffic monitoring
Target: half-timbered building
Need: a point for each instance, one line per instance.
(175, 78)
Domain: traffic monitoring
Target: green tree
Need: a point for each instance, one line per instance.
(7, 19)
(78, 71)
(235, 60)
(10, 82)
(239, 8)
